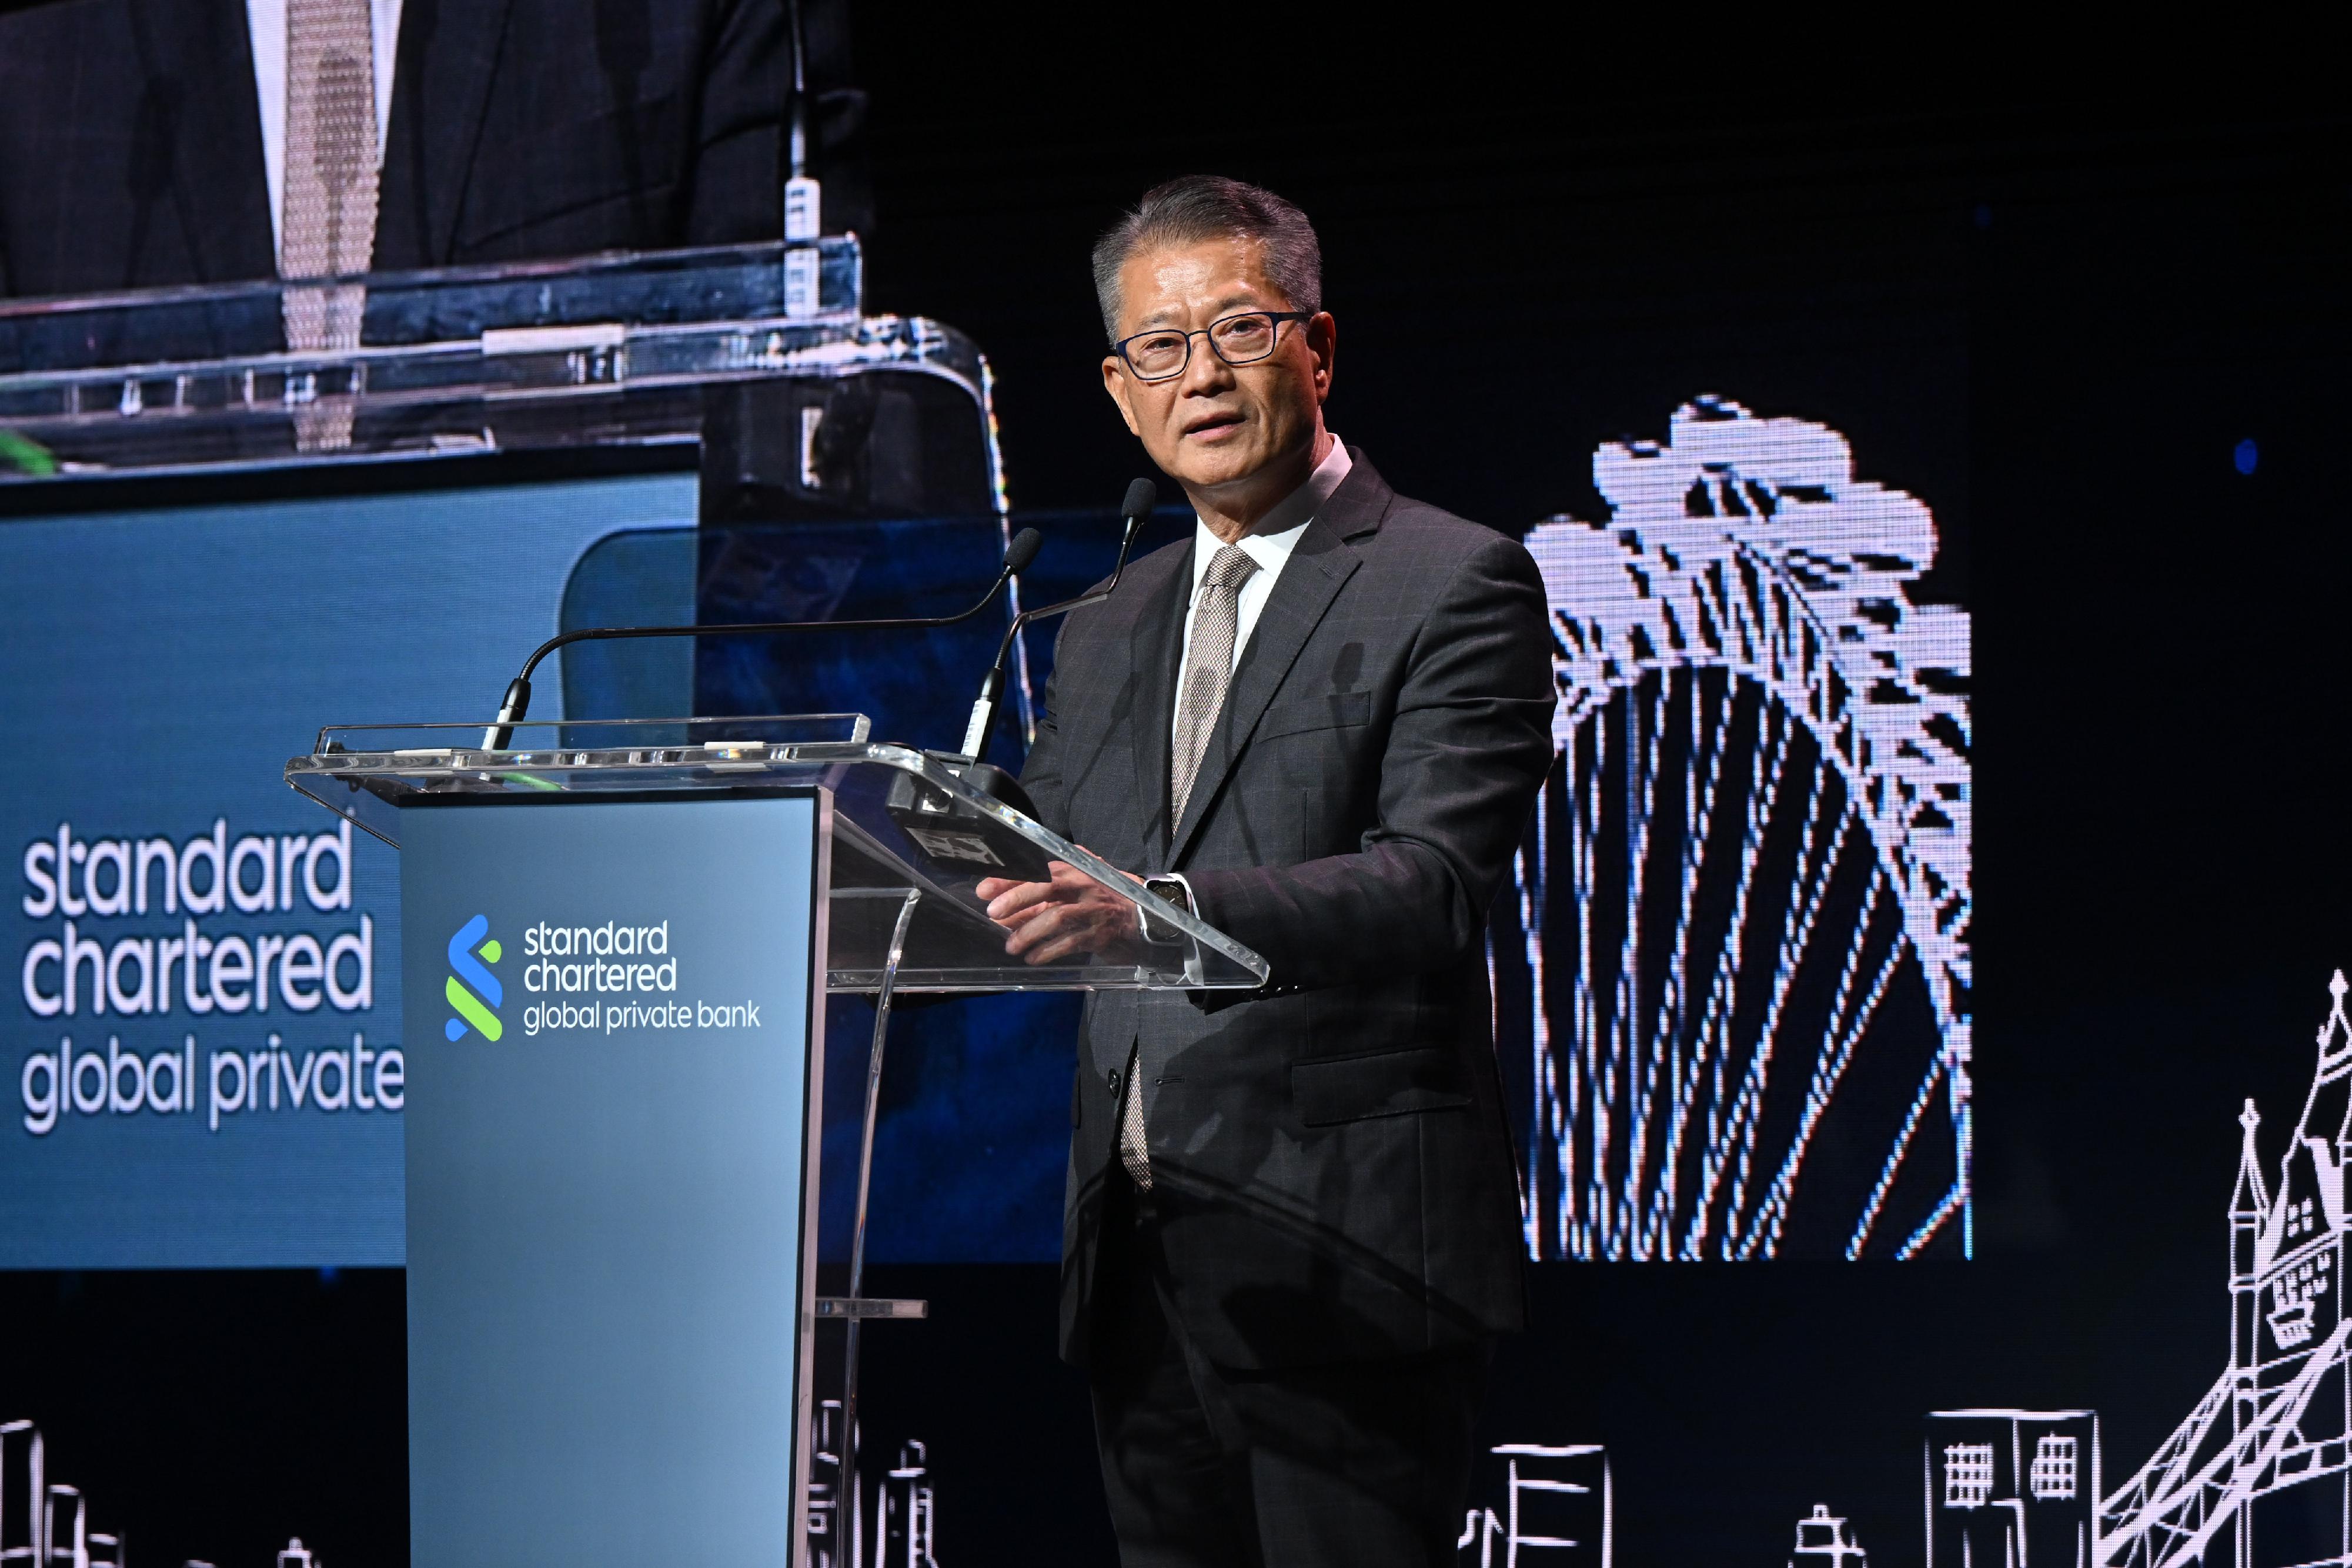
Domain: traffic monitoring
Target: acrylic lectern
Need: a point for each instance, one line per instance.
(618, 941)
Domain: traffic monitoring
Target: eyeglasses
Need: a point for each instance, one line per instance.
(1241, 338)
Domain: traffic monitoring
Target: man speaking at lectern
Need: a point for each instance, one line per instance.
(1292, 1225)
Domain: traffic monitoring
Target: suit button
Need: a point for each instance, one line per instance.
(1111, 1077)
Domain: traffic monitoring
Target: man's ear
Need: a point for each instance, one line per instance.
(1115, 384)
(1323, 342)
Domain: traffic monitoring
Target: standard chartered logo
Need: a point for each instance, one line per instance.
(474, 1007)
(605, 979)
(610, 979)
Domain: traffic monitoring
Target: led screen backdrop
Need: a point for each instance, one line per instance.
(1965, 539)
(1732, 973)
(204, 1039)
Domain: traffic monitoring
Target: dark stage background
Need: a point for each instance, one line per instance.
(2096, 318)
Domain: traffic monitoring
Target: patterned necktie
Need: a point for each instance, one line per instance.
(1208, 671)
(1216, 618)
(1134, 1148)
(328, 227)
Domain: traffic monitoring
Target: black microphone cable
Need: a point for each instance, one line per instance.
(517, 703)
(1142, 495)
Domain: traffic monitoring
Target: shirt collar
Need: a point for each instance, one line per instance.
(1270, 543)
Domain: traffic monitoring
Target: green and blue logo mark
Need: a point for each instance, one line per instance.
(473, 1008)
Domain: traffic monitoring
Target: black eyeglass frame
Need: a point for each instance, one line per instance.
(1276, 317)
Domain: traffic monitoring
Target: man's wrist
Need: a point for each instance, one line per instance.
(1176, 891)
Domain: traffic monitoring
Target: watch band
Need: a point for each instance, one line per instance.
(1176, 891)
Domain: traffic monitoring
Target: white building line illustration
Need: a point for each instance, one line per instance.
(1826, 1540)
(1759, 828)
(44, 1524)
(2010, 1486)
(905, 1511)
(23, 1496)
(2279, 1419)
(1556, 1511)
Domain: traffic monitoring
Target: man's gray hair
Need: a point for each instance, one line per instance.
(1207, 206)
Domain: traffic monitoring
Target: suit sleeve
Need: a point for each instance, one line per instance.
(1468, 747)
(1041, 775)
(736, 192)
(740, 138)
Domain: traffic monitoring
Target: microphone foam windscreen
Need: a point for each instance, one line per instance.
(1023, 550)
(1142, 495)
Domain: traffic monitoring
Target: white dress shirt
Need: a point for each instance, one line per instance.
(264, 22)
(1269, 544)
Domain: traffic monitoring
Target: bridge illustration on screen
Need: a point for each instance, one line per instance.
(1738, 969)
(2257, 1475)
(2265, 1452)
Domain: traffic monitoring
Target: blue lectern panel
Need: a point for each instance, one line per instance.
(610, 1071)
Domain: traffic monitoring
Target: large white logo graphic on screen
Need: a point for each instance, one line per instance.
(1740, 963)
(217, 974)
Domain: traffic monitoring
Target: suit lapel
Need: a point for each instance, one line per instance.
(1155, 645)
(199, 110)
(1311, 581)
(447, 57)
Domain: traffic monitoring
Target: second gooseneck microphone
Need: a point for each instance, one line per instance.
(955, 834)
(517, 704)
(1142, 495)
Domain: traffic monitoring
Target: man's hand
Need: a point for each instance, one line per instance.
(1069, 917)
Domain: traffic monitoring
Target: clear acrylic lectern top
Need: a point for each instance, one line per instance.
(910, 838)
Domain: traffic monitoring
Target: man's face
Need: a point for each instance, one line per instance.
(1218, 427)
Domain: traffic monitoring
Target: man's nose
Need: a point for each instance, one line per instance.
(1205, 372)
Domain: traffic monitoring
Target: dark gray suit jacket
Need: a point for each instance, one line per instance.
(131, 138)
(1330, 1156)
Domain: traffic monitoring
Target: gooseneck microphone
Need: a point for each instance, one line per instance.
(517, 704)
(951, 832)
(1142, 495)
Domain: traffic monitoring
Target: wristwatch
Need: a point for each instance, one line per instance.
(1176, 891)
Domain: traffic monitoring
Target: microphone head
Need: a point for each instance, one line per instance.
(1142, 495)
(1023, 550)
